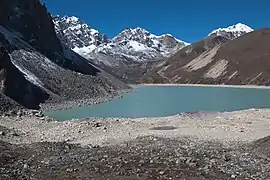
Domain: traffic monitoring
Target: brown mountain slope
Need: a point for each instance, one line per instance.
(169, 70)
(245, 60)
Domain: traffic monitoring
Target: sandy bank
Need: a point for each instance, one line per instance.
(245, 125)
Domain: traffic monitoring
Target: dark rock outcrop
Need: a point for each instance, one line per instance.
(14, 85)
(31, 19)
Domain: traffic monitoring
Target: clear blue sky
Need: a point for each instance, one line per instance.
(188, 20)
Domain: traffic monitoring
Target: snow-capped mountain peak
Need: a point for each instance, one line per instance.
(163, 44)
(240, 27)
(233, 31)
(77, 35)
(136, 34)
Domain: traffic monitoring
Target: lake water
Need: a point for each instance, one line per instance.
(157, 101)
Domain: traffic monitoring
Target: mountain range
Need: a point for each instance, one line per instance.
(52, 60)
(126, 56)
(135, 53)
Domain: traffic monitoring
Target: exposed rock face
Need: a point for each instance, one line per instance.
(243, 60)
(33, 22)
(14, 85)
(75, 34)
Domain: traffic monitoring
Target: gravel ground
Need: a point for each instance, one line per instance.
(144, 158)
(234, 145)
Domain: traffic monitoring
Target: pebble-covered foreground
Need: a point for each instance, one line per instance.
(233, 145)
(143, 158)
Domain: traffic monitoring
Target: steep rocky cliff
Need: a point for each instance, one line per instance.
(36, 68)
(31, 19)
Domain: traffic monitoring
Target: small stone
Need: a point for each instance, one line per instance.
(19, 114)
(39, 114)
(192, 165)
(67, 147)
(2, 133)
(191, 162)
(25, 166)
(162, 172)
(14, 134)
(69, 170)
(95, 146)
(97, 125)
(227, 157)
(233, 176)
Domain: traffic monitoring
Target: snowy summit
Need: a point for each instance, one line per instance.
(233, 31)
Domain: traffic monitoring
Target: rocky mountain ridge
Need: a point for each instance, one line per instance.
(136, 42)
(36, 61)
(127, 56)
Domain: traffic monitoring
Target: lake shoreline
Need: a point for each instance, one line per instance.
(240, 126)
(161, 100)
(50, 107)
(207, 85)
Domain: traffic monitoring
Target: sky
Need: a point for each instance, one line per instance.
(188, 20)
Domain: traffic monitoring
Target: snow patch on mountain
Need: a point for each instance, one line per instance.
(233, 31)
(137, 46)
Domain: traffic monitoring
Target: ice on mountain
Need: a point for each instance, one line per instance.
(236, 30)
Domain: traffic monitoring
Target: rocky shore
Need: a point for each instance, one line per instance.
(82, 102)
(232, 145)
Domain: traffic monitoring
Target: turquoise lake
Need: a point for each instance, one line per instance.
(157, 101)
